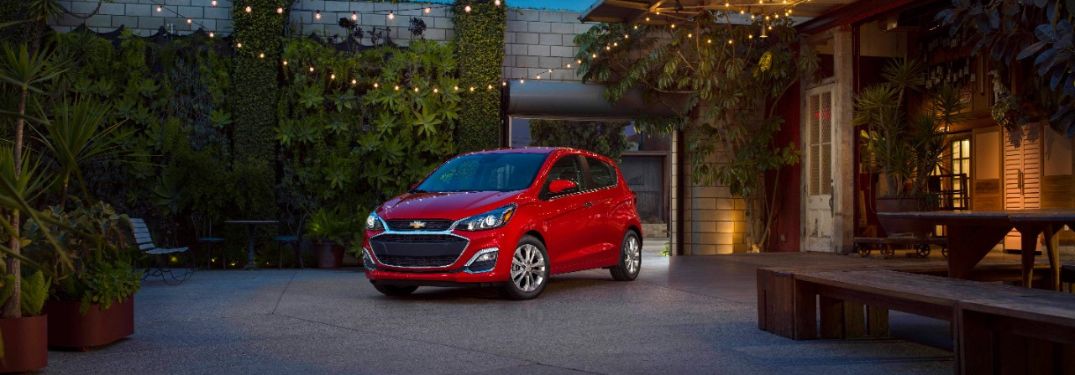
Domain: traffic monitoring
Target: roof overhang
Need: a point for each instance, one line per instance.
(580, 101)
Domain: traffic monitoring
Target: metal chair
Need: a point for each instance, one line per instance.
(160, 254)
(293, 239)
(203, 230)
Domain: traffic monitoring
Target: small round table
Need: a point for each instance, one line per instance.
(250, 224)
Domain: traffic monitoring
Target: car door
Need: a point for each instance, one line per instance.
(566, 222)
(601, 180)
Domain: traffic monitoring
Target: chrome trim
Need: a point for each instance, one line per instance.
(466, 267)
(388, 230)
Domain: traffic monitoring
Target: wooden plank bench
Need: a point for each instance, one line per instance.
(855, 303)
(1029, 334)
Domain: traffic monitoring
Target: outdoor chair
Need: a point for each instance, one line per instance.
(291, 239)
(203, 230)
(160, 255)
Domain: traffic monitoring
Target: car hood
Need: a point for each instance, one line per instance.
(452, 206)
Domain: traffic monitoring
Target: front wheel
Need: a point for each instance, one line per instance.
(395, 290)
(630, 258)
(529, 270)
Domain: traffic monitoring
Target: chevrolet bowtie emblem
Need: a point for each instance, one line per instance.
(418, 224)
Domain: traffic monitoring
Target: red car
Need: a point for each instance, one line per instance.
(507, 218)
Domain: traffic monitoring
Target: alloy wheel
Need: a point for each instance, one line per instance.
(528, 268)
(632, 255)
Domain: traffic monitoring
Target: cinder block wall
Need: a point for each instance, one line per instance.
(714, 219)
(534, 42)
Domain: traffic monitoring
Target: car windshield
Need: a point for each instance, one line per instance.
(484, 172)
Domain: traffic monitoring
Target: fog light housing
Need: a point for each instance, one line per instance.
(367, 261)
(482, 261)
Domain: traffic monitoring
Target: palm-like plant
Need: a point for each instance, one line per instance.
(25, 71)
(76, 135)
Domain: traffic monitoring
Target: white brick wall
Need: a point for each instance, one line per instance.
(534, 41)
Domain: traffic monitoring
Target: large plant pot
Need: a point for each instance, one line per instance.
(329, 255)
(25, 344)
(903, 227)
(70, 329)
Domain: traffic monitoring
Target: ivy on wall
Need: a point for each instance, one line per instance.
(479, 38)
(346, 145)
(257, 44)
(603, 137)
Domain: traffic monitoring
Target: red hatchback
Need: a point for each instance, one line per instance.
(509, 218)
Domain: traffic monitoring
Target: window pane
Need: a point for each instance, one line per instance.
(601, 173)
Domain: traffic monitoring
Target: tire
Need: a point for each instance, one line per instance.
(630, 258)
(395, 290)
(529, 270)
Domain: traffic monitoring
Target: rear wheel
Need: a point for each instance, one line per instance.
(395, 290)
(630, 258)
(529, 270)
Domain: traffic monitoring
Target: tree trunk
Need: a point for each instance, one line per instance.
(13, 307)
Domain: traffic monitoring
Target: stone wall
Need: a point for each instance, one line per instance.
(535, 40)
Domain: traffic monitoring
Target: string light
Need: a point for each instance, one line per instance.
(435, 90)
(317, 15)
(471, 88)
(427, 10)
(211, 34)
(354, 82)
(285, 62)
(248, 9)
(279, 10)
(213, 3)
(190, 21)
(332, 76)
(160, 9)
(311, 69)
(415, 89)
(397, 87)
(496, 2)
(391, 15)
(354, 16)
(261, 55)
(522, 81)
(466, 8)
(239, 45)
(375, 85)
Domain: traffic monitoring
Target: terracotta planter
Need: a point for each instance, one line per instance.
(70, 329)
(329, 255)
(25, 344)
(903, 227)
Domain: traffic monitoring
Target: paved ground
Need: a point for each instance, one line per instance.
(685, 315)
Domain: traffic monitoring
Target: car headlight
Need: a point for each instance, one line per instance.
(489, 220)
(373, 222)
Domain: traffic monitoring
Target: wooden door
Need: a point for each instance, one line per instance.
(817, 227)
(1022, 174)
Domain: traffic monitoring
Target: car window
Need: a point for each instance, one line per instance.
(485, 172)
(566, 168)
(601, 174)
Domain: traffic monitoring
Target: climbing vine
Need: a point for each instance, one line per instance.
(480, 48)
(257, 44)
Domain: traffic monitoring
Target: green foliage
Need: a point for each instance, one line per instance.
(332, 226)
(345, 145)
(905, 149)
(479, 38)
(35, 291)
(1037, 31)
(605, 138)
(728, 93)
(255, 94)
(75, 136)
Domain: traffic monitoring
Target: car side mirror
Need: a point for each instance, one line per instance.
(560, 186)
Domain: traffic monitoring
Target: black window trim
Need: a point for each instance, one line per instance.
(587, 179)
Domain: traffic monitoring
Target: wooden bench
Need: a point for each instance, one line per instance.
(855, 303)
(1029, 334)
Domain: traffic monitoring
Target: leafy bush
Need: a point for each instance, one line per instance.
(346, 145)
(35, 291)
(479, 36)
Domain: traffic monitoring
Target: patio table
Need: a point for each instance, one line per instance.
(250, 225)
(972, 234)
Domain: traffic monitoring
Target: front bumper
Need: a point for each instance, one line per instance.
(456, 273)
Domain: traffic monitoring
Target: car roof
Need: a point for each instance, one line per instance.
(539, 150)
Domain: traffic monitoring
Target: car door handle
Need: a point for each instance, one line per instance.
(587, 204)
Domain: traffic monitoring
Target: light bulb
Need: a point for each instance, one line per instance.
(239, 45)
(285, 62)
(427, 10)
(436, 90)
(248, 9)
(211, 34)
(160, 8)
(496, 2)
(317, 15)
(311, 69)
(391, 15)
(375, 85)
(466, 9)
(354, 82)
(261, 55)
(354, 16)
(280, 10)
(190, 21)
(332, 76)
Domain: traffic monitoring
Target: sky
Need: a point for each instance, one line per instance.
(571, 5)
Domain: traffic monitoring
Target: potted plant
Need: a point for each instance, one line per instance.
(904, 145)
(328, 230)
(24, 340)
(93, 304)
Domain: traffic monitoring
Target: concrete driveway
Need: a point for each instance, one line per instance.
(685, 315)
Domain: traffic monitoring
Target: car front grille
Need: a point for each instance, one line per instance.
(430, 225)
(417, 250)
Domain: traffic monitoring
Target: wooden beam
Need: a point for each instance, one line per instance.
(855, 12)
